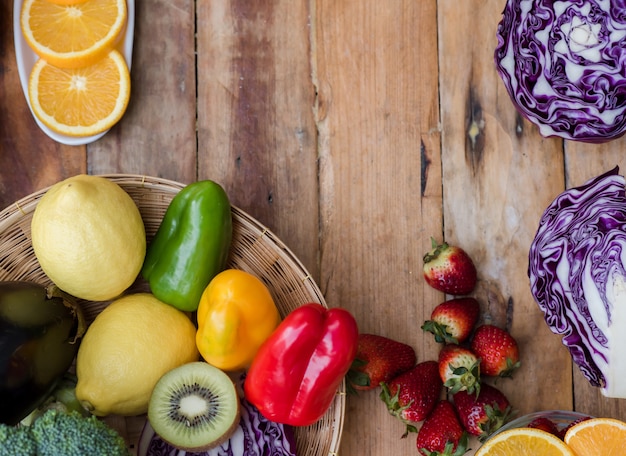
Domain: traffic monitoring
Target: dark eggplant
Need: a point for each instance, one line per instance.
(40, 331)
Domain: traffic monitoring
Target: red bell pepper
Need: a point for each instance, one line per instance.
(296, 372)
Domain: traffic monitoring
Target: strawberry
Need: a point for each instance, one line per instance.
(484, 413)
(564, 430)
(449, 269)
(411, 396)
(459, 369)
(452, 321)
(441, 433)
(379, 359)
(497, 350)
(545, 424)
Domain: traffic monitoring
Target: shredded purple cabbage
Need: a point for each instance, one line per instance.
(255, 436)
(577, 267)
(564, 65)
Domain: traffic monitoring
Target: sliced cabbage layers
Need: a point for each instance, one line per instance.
(562, 64)
(577, 271)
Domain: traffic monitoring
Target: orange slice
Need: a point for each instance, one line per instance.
(81, 101)
(66, 2)
(71, 36)
(524, 442)
(605, 436)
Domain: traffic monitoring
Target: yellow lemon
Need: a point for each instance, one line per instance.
(89, 237)
(130, 345)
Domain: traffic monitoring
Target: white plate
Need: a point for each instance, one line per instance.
(26, 59)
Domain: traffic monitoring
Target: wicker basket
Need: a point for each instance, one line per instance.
(254, 249)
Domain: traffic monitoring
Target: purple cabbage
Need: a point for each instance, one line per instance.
(577, 271)
(564, 65)
(255, 436)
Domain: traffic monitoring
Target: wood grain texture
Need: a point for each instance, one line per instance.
(380, 184)
(158, 134)
(29, 160)
(499, 175)
(256, 130)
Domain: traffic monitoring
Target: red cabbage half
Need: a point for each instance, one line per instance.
(564, 65)
(577, 271)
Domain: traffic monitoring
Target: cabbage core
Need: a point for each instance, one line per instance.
(563, 64)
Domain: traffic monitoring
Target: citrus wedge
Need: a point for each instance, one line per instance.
(605, 436)
(81, 101)
(71, 36)
(524, 442)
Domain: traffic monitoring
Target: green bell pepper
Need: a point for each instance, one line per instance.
(191, 245)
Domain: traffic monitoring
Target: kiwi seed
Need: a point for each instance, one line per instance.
(194, 407)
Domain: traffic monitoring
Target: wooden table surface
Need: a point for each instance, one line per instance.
(355, 131)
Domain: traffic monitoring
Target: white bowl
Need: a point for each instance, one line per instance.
(561, 418)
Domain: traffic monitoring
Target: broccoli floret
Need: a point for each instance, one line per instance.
(16, 441)
(61, 427)
(72, 434)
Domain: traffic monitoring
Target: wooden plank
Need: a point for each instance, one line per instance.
(585, 161)
(29, 160)
(499, 175)
(375, 68)
(256, 131)
(156, 136)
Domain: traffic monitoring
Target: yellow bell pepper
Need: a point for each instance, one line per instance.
(236, 315)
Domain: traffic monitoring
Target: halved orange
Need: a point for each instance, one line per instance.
(71, 36)
(81, 101)
(66, 2)
(524, 442)
(605, 436)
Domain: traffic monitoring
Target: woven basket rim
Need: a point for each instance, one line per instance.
(24, 207)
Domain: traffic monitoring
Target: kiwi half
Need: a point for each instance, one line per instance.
(194, 407)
